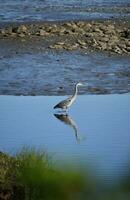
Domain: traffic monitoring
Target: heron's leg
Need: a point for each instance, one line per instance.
(62, 111)
(65, 110)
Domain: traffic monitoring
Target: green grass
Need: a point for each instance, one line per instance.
(34, 173)
(31, 175)
(43, 180)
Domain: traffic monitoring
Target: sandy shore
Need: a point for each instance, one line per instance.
(109, 36)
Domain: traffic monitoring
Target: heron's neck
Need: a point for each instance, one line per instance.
(75, 91)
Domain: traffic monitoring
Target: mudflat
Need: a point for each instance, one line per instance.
(110, 36)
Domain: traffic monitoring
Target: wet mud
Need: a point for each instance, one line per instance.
(36, 71)
(57, 10)
(48, 58)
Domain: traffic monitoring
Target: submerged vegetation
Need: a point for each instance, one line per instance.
(32, 175)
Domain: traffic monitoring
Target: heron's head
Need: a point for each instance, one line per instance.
(79, 84)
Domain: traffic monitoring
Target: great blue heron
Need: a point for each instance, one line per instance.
(65, 104)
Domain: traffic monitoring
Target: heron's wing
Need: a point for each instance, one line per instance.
(63, 103)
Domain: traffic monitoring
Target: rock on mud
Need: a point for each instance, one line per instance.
(108, 36)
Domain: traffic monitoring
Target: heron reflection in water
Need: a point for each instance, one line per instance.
(65, 118)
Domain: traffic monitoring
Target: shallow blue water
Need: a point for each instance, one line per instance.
(95, 133)
(51, 10)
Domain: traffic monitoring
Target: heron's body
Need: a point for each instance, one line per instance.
(65, 104)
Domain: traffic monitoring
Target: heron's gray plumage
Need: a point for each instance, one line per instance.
(63, 104)
(67, 102)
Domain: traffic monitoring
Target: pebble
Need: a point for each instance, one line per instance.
(43, 33)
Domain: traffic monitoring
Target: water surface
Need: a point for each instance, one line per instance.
(52, 10)
(95, 132)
